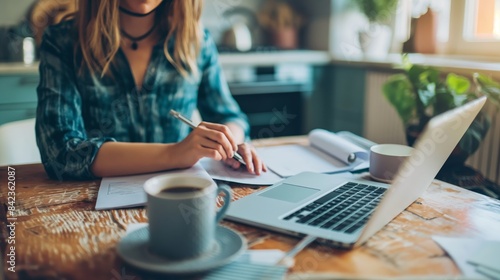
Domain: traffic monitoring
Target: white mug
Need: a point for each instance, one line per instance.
(385, 160)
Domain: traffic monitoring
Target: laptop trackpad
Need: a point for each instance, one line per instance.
(289, 193)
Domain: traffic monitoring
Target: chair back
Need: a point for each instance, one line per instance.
(18, 143)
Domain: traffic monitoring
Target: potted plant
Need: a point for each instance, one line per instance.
(281, 23)
(421, 92)
(376, 39)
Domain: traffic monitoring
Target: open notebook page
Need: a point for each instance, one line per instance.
(336, 146)
(327, 153)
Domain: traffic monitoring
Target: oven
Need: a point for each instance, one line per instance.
(273, 97)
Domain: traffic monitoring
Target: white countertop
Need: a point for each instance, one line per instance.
(226, 59)
(18, 68)
(273, 58)
(447, 63)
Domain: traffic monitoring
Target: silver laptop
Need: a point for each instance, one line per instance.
(344, 212)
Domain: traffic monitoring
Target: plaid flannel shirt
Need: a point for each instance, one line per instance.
(76, 113)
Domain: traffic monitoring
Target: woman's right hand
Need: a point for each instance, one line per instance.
(207, 140)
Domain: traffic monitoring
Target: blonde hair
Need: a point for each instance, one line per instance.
(99, 33)
(48, 12)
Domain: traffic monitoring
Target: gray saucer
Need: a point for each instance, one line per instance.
(134, 249)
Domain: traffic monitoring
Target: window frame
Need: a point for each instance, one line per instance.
(458, 44)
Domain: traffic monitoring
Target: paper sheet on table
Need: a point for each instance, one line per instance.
(491, 273)
(487, 257)
(128, 191)
(461, 251)
(219, 171)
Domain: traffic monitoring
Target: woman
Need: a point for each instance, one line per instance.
(108, 79)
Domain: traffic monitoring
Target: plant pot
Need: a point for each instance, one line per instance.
(376, 41)
(284, 38)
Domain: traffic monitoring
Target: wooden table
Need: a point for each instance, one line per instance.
(58, 234)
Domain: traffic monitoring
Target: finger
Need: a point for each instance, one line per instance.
(207, 143)
(210, 153)
(233, 163)
(257, 162)
(218, 137)
(264, 167)
(224, 129)
(247, 157)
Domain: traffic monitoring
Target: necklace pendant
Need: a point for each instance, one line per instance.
(134, 46)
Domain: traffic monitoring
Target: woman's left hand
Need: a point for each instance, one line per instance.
(252, 160)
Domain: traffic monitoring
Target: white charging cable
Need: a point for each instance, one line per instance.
(288, 258)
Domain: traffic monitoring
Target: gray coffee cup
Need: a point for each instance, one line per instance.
(385, 160)
(182, 214)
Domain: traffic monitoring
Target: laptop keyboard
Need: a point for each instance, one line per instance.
(345, 209)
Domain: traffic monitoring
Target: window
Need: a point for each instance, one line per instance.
(464, 27)
(482, 20)
(474, 28)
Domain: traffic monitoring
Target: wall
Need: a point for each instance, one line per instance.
(213, 12)
(315, 33)
(13, 11)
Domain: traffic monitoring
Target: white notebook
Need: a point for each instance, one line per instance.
(327, 152)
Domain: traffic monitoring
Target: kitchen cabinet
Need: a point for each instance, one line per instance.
(18, 98)
(343, 99)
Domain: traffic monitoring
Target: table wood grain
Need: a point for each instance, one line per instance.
(59, 235)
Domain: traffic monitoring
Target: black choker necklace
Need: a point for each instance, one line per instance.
(130, 13)
(134, 40)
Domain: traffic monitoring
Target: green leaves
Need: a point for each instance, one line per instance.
(475, 133)
(425, 82)
(399, 92)
(488, 87)
(421, 92)
(452, 93)
(378, 10)
(457, 84)
(427, 94)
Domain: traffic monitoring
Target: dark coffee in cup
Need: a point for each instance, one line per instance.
(179, 190)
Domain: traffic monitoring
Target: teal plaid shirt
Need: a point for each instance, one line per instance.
(76, 114)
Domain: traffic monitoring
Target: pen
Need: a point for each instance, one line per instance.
(187, 121)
